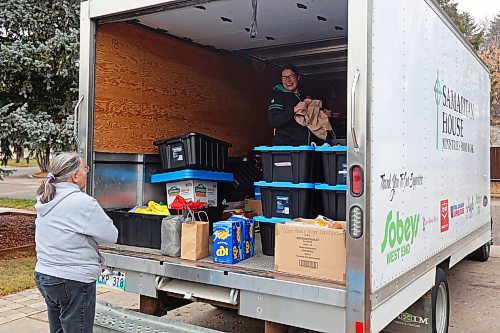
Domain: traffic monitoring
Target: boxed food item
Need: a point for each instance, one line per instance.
(248, 241)
(227, 240)
(193, 190)
(311, 250)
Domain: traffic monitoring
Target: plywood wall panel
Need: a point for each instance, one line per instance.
(150, 87)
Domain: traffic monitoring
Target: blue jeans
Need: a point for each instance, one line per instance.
(70, 304)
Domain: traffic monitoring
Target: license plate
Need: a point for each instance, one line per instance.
(116, 279)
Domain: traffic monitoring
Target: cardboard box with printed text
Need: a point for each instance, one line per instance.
(311, 251)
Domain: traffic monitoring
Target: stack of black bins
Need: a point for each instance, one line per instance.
(193, 152)
(190, 151)
(287, 189)
(334, 189)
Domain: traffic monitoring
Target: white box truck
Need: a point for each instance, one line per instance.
(415, 100)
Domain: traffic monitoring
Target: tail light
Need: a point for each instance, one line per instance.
(356, 181)
(356, 222)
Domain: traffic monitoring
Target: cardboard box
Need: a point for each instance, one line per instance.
(311, 251)
(193, 190)
(227, 240)
(252, 205)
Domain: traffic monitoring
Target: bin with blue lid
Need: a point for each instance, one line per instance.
(267, 232)
(282, 201)
(287, 200)
(334, 164)
(334, 201)
(294, 164)
(195, 185)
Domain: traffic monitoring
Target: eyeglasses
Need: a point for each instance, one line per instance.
(288, 78)
(87, 169)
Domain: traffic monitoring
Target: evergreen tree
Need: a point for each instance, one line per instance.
(464, 22)
(490, 53)
(38, 75)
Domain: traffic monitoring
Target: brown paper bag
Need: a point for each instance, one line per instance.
(194, 240)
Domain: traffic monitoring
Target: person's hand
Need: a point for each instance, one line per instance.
(328, 112)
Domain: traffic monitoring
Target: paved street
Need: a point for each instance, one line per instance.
(20, 184)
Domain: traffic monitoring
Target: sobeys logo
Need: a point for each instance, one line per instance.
(399, 235)
(174, 190)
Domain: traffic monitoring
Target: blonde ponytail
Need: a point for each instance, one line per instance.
(60, 170)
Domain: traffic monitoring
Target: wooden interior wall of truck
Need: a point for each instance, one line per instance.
(150, 86)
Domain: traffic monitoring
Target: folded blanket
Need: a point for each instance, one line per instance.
(308, 113)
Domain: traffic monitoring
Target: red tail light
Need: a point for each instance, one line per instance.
(360, 328)
(356, 180)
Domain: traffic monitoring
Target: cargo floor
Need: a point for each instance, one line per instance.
(259, 264)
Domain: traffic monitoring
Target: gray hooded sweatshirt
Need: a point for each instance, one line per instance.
(68, 229)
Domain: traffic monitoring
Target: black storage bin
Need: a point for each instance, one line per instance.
(287, 200)
(334, 201)
(267, 238)
(287, 163)
(334, 164)
(193, 150)
(143, 230)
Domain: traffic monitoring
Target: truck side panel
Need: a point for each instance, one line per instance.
(429, 137)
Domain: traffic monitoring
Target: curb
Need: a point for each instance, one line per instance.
(15, 211)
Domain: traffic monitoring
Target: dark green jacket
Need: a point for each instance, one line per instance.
(281, 116)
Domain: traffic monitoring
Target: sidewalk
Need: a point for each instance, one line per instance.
(26, 311)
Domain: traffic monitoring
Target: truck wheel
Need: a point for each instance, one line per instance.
(483, 253)
(440, 303)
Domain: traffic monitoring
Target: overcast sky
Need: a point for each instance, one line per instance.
(479, 9)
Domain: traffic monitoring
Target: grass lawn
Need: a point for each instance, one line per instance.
(17, 203)
(22, 163)
(16, 272)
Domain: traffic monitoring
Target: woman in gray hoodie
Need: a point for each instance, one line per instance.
(69, 226)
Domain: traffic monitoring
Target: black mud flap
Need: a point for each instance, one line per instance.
(416, 319)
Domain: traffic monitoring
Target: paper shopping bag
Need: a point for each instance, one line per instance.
(194, 241)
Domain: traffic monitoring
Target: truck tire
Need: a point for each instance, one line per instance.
(440, 303)
(483, 253)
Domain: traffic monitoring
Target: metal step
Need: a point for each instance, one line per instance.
(110, 318)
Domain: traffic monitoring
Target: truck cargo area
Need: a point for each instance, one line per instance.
(209, 67)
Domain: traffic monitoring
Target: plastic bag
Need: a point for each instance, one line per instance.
(171, 227)
(181, 203)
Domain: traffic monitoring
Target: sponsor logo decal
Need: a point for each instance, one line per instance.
(427, 221)
(453, 111)
(457, 210)
(445, 217)
(400, 232)
(409, 319)
(477, 207)
(469, 208)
